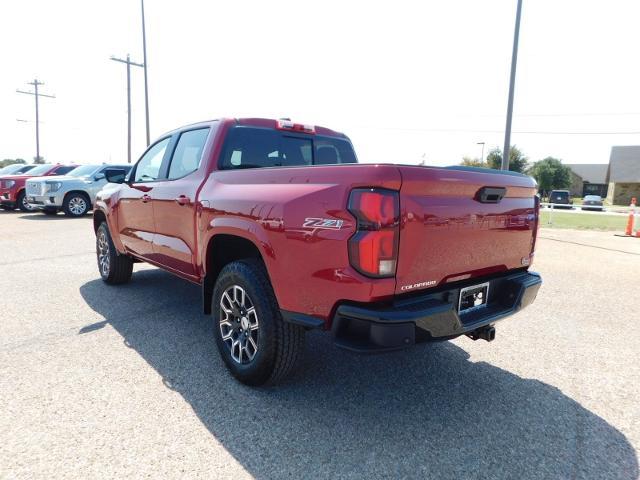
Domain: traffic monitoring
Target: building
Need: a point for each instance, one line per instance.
(589, 179)
(623, 175)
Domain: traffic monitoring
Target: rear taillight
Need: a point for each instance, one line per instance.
(373, 249)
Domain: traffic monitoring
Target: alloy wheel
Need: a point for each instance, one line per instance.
(103, 254)
(77, 205)
(239, 325)
(26, 205)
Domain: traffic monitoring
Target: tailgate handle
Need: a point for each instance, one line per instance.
(490, 194)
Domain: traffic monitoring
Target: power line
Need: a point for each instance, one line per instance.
(36, 83)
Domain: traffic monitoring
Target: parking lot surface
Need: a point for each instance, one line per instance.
(103, 382)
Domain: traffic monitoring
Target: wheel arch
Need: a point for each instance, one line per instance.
(222, 249)
(81, 192)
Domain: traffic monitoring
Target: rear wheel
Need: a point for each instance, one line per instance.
(256, 344)
(22, 204)
(75, 205)
(114, 268)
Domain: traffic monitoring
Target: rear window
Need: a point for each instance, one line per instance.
(560, 194)
(249, 147)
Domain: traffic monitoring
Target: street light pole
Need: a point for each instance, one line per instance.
(128, 62)
(482, 154)
(144, 62)
(512, 81)
(36, 94)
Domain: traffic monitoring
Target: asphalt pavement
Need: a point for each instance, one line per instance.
(111, 382)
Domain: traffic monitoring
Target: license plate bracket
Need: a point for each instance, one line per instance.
(473, 297)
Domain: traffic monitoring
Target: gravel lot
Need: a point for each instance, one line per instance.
(99, 381)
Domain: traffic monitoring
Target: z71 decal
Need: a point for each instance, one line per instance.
(322, 223)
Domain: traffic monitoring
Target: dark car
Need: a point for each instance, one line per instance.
(560, 199)
(592, 202)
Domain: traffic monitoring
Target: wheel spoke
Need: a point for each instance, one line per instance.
(238, 324)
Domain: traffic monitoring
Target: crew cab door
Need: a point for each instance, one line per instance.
(135, 211)
(175, 203)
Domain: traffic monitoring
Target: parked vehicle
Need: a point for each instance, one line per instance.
(12, 187)
(73, 193)
(16, 169)
(285, 232)
(560, 199)
(593, 202)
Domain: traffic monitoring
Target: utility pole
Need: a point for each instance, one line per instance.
(128, 63)
(482, 154)
(36, 94)
(144, 62)
(512, 81)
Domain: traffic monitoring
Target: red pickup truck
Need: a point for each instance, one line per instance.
(286, 232)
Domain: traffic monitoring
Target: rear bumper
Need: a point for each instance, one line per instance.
(378, 328)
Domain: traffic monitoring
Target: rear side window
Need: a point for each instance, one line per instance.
(248, 147)
(188, 153)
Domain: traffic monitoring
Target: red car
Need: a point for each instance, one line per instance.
(12, 187)
(285, 232)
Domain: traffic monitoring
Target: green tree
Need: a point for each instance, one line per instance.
(550, 174)
(518, 162)
(10, 161)
(473, 162)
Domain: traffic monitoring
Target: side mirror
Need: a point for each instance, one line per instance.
(99, 176)
(114, 175)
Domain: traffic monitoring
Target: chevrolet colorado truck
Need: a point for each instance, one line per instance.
(284, 231)
(12, 187)
(74, 193)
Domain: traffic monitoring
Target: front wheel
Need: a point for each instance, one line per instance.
(22, 204)
(256, 344)
(114, 268)
(75, 205)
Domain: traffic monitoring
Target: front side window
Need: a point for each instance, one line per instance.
(188, 153)
(148, 168)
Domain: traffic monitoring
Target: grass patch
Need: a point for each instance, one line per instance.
(583, 222)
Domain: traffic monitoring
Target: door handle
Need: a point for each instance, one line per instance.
(145, 198)
(183, 200)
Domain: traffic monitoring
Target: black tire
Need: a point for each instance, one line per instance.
(280, 345)
(21, 203)
(76, 205)
(114, 268)
(50, 211)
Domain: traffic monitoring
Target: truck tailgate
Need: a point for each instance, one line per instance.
(450, 231)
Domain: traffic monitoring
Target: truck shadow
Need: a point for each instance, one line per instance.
(427, 412)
